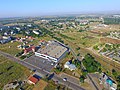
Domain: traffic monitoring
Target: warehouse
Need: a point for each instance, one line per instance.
(52, 51)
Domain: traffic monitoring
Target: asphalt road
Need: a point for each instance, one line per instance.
(71, 85)
(70, 78)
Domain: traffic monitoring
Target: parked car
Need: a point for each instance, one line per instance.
(64, 79)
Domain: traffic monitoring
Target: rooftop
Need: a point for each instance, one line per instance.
(33, 79)
(53, 49)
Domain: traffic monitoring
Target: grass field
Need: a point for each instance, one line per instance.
(107, 65)
(2, 59)
(40, 85)
(37, 40)
(67, 58)
(46, 38)
(84, 39)
(10, 48)
(27, 86)
(52, 86)
(11, 71)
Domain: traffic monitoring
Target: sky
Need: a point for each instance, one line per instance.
(16, 8)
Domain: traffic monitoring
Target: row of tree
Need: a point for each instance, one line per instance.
(111, 20)
(117, 77)
(91, 64)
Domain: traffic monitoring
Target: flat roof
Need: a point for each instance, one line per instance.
(53, 49)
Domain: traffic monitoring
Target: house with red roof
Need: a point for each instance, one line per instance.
(29, 49)
(32, 80)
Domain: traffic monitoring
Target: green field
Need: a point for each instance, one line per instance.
(107, 65)
(84, 39)
(11, 71)
(52, 86)
(10, 48)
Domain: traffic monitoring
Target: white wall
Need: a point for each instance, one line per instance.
(45, 56)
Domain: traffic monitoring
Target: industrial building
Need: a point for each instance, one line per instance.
(53, 50)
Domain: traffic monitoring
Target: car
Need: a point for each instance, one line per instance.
(43, 61)
(64, 79)
(56, 82)
(52, 64)
(34, 70)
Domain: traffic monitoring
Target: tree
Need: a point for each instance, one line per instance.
(114, 73)
(78, 48)
(78, 54)
(111, 20)
(82, 78)
(118, 80)
(77, 63)
(91, 64)
(84, 72)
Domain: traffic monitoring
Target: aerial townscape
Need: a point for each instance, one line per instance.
(57, 45)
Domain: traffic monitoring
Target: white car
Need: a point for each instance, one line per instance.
(43, 61)
(64, 79)
(52, 64)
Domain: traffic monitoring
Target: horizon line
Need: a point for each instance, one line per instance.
(65, 14)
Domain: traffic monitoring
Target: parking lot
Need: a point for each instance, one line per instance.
(41, 63)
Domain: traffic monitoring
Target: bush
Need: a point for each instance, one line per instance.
(114, 73)
(23, 57)
(82, 78)
(96, 47)
(78, 48)
(77, 63)
(78, 54)
(19, 54)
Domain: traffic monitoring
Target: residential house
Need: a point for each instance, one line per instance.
(11, 86)
(5, 39)
(108, 82)
(29, 49)
(36, 32)
(32, 80)
(69, 66)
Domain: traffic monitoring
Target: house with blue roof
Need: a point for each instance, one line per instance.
(108, 82)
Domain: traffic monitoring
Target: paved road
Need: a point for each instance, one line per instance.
(94, 77)
(71, 85)
(70, 78)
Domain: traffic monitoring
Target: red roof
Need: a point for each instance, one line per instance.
(33, 80)
(30, 37)
(29, 49)
(42, 40)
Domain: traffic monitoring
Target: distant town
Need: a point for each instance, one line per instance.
(77, 52)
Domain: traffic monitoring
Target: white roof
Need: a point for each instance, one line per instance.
(72, 66)
(67, 63)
